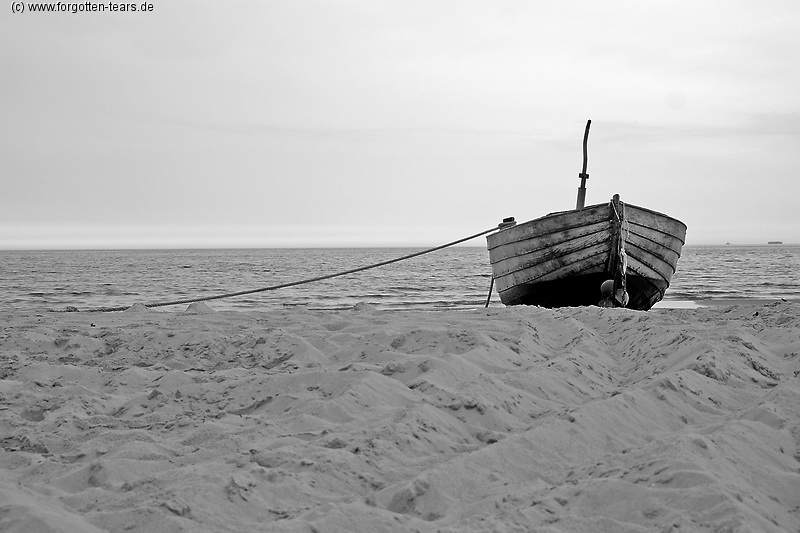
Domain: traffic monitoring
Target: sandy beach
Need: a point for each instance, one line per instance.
(500, 419)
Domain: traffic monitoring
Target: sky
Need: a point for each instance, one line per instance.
(392, 123)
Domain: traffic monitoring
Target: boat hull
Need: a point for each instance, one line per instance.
(562, 259)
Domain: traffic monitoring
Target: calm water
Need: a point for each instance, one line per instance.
(451, 278)
(722, 272)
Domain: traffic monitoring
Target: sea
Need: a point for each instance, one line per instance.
(452, 278)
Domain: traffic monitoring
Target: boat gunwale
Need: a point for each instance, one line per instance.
(559, 230)
(572, 211)
(685, 227)
(681, 239)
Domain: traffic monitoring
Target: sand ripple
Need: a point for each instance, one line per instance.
(512, 419)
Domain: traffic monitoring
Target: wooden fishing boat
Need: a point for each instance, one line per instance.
(611, 254)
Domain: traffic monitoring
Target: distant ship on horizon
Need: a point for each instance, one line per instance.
(775, 242)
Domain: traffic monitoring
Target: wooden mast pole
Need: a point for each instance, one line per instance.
(583, 175)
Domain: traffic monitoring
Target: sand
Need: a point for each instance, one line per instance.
(500, 419)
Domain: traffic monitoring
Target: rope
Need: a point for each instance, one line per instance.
(620, 281)
(282, 285)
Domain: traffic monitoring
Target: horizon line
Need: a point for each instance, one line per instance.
(316, 247)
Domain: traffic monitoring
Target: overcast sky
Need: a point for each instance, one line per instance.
(360, 123)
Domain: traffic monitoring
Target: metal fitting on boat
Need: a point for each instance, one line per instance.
(507, 223)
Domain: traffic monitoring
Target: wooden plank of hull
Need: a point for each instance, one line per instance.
(569, 264)
(653, 243)
(662, 258)
(645, 270)
(540, 246)
(656, 221)
(662, 246)
(644, 292)
(566, 245)
(668, 241)
(553, 223)
(561, 259)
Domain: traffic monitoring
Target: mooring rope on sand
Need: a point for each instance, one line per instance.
(71, 309)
